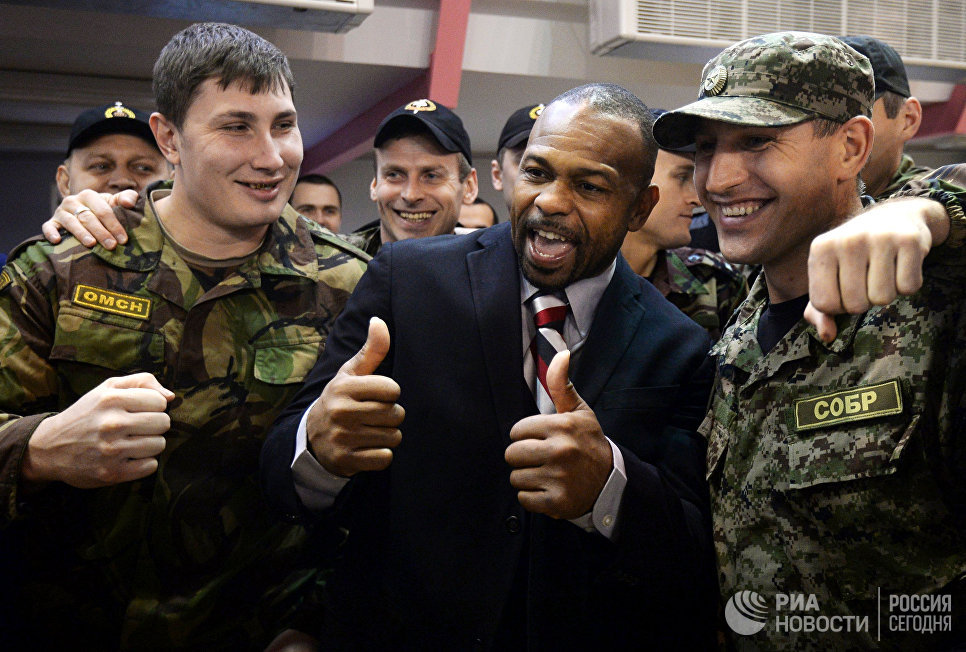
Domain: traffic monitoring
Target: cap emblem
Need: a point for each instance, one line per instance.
(536, 111)
(420, 105)
(119, 111)
(716, 80)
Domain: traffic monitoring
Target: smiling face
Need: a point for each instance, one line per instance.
(769, 190)
(236, 158)
(112, 163)
(578, 194)
(417, 188)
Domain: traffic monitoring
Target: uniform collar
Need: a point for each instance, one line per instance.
(287, 250)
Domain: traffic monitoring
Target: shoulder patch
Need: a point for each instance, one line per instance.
(5, 279)
(117, 303)
(855, 404)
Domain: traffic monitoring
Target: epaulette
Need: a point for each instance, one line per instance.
(695, 257)
(23, 245)
(321, 234)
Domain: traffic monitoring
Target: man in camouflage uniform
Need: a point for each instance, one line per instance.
(701, 283)
(832, 462)
(137, 384)
(896, 116)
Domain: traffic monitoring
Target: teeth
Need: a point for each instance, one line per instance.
(261, 186)
(418, 217)
(740, 209)
(550, 235)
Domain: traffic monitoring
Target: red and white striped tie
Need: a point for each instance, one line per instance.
(549, 314)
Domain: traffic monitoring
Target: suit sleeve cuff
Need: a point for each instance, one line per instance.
(604, 517)
(316, 487)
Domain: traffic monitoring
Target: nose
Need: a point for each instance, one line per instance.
(412, 190)
(122, 179)
(691, 194)
(725, 170)
(267, 154)
(555, 198)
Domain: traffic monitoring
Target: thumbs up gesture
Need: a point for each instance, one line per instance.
(560, 461)
(355, 423)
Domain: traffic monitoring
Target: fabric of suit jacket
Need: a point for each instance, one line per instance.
(438, 543)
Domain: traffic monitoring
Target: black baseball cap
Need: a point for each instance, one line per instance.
(518, 126)
(687, 149)
(445, 125)
(109, 119)
(887, 66)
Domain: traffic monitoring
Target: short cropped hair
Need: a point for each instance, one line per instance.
(892, 102)
(320, 180)
(618, 102)
(406, 128)
(219, 51)
(824, 128)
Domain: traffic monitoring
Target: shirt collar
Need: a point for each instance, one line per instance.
(583, 296)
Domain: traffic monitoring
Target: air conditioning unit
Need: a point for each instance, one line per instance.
(929, 33)
(309, 15)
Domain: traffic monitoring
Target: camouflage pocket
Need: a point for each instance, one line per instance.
(287, 355)
(854, 451)
(86, 337)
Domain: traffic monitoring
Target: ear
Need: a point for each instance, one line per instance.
(855, 138)
(471, 187)
(496, 175)
(372, 189)
(167, 137)
(645, 204)
(63, 179)
(911, 114)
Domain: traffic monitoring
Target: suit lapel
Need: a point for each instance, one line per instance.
(616, 320)
(495, 286)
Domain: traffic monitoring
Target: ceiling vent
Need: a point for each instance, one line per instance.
(309, 15)
(929, 33)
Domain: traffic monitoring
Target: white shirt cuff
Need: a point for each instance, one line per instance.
(316, 487)
(606, 510)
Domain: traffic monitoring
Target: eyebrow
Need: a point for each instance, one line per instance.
(248, 115)
(604, 172)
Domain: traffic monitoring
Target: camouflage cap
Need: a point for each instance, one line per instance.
(775, 80)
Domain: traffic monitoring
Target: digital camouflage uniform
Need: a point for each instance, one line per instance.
(907, 171)
(836, 470)
(189, 556)
(702, 284)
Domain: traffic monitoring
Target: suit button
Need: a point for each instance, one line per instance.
(513, 525)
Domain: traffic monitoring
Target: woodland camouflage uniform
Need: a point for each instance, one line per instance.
(702, 284)
(906, 172)
(189, 556)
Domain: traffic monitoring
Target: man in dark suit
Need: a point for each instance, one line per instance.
(475, 519)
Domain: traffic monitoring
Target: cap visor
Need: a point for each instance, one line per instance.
(675, 130)
(516, 139)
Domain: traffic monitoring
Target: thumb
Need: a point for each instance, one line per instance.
(823, 323)
(565, 398)
(126, 198)
(143, 380)
(372, 353)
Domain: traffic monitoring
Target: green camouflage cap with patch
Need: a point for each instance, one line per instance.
(775, 80)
